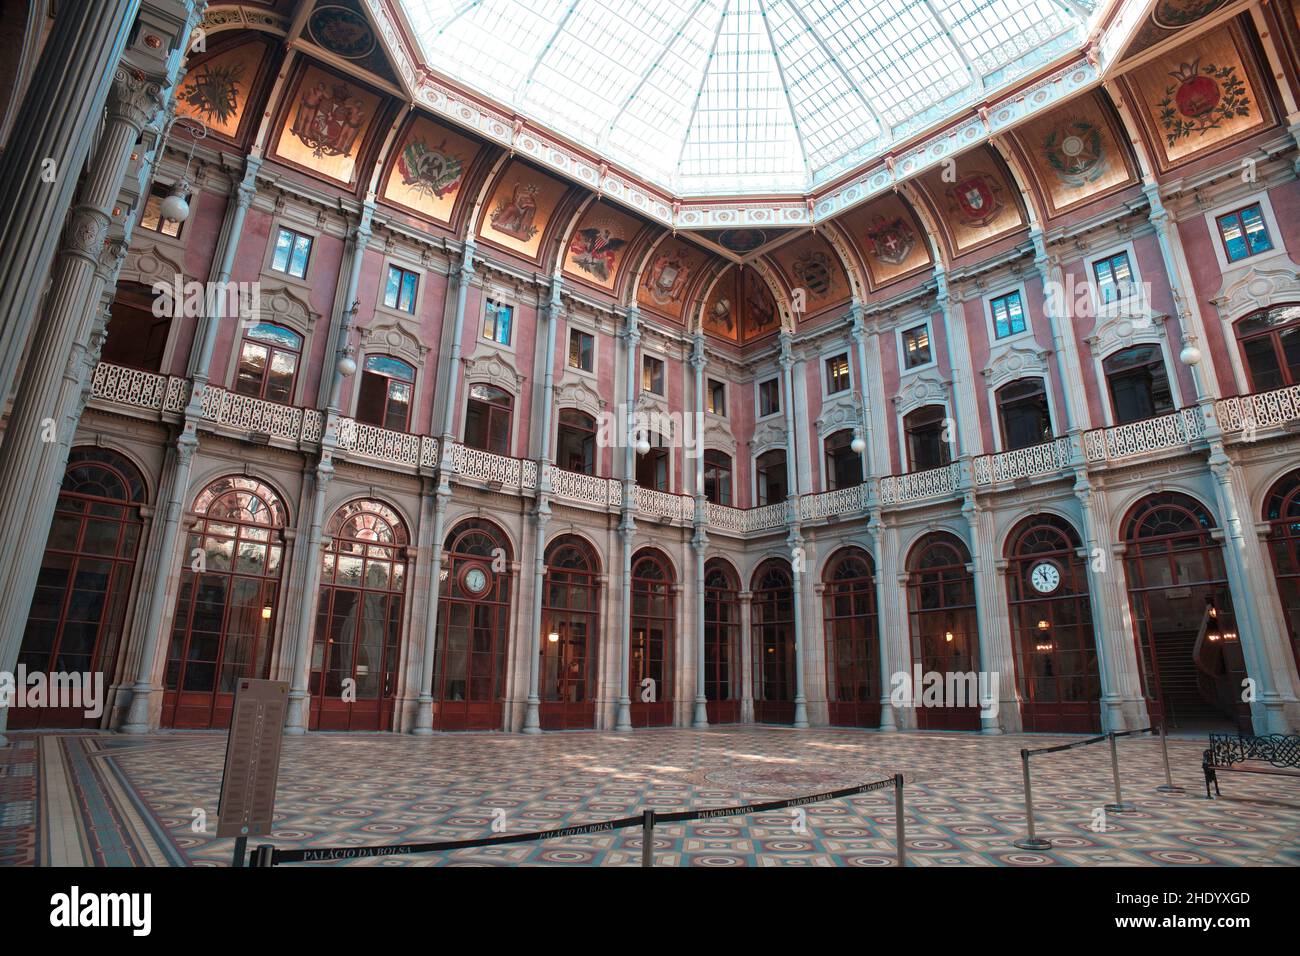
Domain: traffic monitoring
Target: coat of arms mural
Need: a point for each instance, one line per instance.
(594, 249)
(430, 169)
(890, 239)
(216, 90)
(1201, 98)
(516, 213)
(326, 126)
(976, 199)
(1073, 149)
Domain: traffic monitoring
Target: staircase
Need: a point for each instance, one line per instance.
(1180, 692)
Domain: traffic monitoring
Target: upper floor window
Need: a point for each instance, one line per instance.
(717, 477)
(773, 480)
(717, 398)
(152, 218)
(582, 350)
(292, 250)
(927, 438)
(652, 374)
(1114, 277)
(487, 419)
(575, 446)
(916, 347)
(1008, 315)
(385, 393)
(1023, 411)
(843, 464)
(837, 374)
(652, 467)
(268, 362)
(1270, 344)
(497, 322)
(769, 397)
(399, 293)
(1244, 233)
(1138, 383)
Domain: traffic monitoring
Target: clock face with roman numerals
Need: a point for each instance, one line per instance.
(1045, 576)
(475, 581)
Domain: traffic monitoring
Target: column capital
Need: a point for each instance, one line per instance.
(134, 98)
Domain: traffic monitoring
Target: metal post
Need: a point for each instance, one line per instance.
(1164, 750)
(648, 838)
(264, 856)
(1031, 842)
(900, 836)
(241, 847)
(1119, 806)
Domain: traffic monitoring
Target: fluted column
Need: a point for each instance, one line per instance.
(965, 401)
(893, 657)
(994, 629)
(627, 518)
(423, 725)
(44, 417)
(1064, 344)
(44, 157)
(745, 599)
(794, 537)
(700, 539)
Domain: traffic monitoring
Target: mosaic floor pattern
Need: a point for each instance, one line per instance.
(91, 799)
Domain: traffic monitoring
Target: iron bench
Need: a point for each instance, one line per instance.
(1277, 754)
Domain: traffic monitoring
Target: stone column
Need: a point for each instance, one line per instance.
(304, 596)
(794, 538)
(994, 630)
(893, 655)
(46, 152)
(745, 599)
(964, 399)
(1064, 343)
(700, 539)
(423, 726)
(627, 519)
(45, 412)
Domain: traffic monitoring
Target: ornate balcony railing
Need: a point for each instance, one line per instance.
(915, 485)
(661, 504)
(252, 414)
(1041, 459)
(385, 444)
(139, 389)
(486, 466)
(841, 501)
(1175, 430)
(586, 489)
(1281, 406)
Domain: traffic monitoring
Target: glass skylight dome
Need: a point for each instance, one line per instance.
(724, 97)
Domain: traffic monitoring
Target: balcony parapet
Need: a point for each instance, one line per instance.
(1177, 430)
(1033, 461)
(1246, 414)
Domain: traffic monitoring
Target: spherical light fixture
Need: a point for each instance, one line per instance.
(176, 208)
(858, 445)
(642, 444)
(1190, 355)
(347, 366)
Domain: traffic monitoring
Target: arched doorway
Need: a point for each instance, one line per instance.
(1282, 512)
(227, 606)
(852, 639)
(945, 634)
(1051, 627)
(722, 661)
(74, 625)
(1189, 653)
(570, 635)
(357, 647)
(654, 630)
(772, 638)
(473, 628)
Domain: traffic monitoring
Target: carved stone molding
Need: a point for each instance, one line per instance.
(1015, 362)
(286, 307)
(839, 411)
(148, 264)
(1257, 288)
(767, 435)
(925, 389)
(717, 434)
(573, 392)
(392, 335)
(491, 369)
(1119, 331)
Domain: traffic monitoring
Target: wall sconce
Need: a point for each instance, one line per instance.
(948, 636)
(553, 637)
(1044, 625)
(266, 613)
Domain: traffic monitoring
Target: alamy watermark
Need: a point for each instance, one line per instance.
(918, 688)
(67, 690)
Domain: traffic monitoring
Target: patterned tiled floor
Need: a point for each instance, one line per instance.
(113, 800)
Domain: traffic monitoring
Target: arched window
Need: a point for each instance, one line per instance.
(652, 467)
(654, 630)
(944, 631)
(269, 356)
(1270, 347)
(928, 441)
(722, 664)
(1051, 627)
(1023, 412)
(570, 635)
(473, 628)
(717, 477)
(487, 419)
(356, 651)
(771, 477)
(1189, 654)
(228, 601)
(843, 464)
(75, 621)
(1138, 383)
(575, 443)
(772, 639)
(1282, 512)
(852, 639)
(385, 393)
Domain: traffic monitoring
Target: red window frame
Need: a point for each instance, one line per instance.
(942, 623)
(570, 611)
(772, 636)
(722, 661)
(488, 419)
(852, 639)
(653, 627)
(243, 385)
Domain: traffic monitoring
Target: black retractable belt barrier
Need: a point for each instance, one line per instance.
(268, 855)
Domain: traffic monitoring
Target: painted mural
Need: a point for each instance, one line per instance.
(520, 209)
(740, 307)
(327, 123)
(1075, 154)
(672, 267)
(216, 91)
(598, 245)
(809, 263)
(890, 238)
(430, 169)
(1166, 19)
(341, 28)
(1202, 95)
(974, 200)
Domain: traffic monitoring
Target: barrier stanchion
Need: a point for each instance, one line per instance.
(899, 834)
(648, 838)
(1031, 842)
(241, 850)
(263, 856)
(1169, 786)
(1119, 806)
